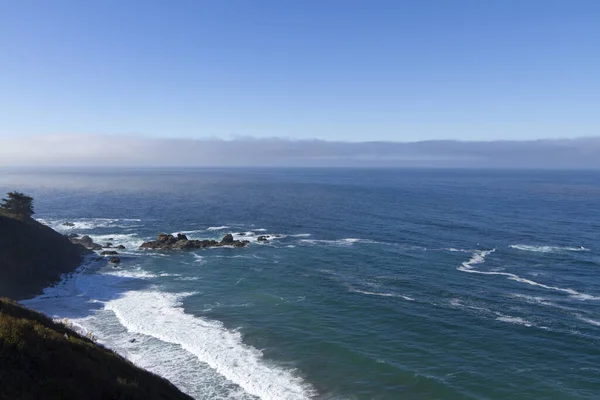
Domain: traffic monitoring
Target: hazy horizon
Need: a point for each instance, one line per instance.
(140, 151)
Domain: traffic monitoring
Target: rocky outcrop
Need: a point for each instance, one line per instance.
(114, 260)
(181, 242)
(108, 253)
(86, 242)
(33, 256)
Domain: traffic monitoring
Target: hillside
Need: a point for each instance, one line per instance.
(33, 256)
(42, 359)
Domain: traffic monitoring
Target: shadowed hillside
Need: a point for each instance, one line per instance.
(33, 256)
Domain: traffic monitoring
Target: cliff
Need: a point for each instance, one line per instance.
(33, 256)
(42, 359)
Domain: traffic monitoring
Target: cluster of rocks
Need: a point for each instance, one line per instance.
(89, 244)
(181, 242)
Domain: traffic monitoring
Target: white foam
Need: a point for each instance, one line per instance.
(454, 250)
(589, 320)
(301, 235)
(198, 258)
(160, 315)
(514, 320)
(134, 273)
(354, 290)
(89, 223)
(479, 256)
(217, 228)
(546, 249)
(130, 240)
(338, 242)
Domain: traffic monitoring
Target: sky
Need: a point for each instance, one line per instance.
(333, 70)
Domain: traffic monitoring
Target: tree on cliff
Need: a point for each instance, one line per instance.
(17, 204)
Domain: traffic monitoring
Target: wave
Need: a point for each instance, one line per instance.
(546, 249)
(515, 320)
(159, 315)
(217, 228)
(82, 224)
(131, 241)
(353, 290)
(338, 242)
(479, 256)
(198, 258)
(588, 320)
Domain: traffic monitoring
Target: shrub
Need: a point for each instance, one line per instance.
(17, 204)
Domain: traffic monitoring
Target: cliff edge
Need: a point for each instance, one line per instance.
(33, 256)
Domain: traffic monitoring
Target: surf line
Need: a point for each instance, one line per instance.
(479, 256)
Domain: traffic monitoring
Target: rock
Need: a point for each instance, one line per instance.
(242, 234)
(262, 239)
(114, 260)
(86, 242)
(227, 239)
(132, 340)
(181, 242)
(108, 253)
(72, 235)
(68, 224)
(163, 237)
(120, 247)
(108, 245)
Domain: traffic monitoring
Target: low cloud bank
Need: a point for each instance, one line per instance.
(114, 150)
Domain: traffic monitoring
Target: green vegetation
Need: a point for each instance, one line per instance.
(43, 359)
(17, 205)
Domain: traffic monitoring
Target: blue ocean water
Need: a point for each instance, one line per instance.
(375, 284)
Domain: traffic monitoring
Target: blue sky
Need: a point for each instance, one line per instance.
(334, 70)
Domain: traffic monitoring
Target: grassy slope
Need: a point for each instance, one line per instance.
(41, 359)
(33, 256)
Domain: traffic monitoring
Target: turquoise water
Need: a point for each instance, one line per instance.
(375, 284)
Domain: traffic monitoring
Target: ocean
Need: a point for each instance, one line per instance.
(374, 284)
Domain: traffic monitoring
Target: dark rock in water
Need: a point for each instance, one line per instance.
(228, 239)
(242, 234)
(108, 253)
(181, 242)
(108, 245)
(120, 247)
(68, 224)
(110, 239)
(86, 242)
(72, 235)
(114, 260)
(132, 340)
(262, 239)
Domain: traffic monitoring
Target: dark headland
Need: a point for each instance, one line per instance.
(43, 359)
